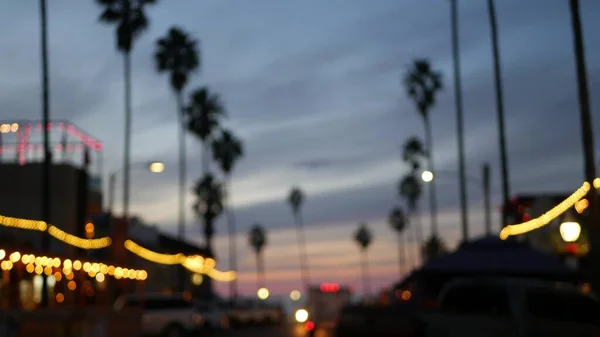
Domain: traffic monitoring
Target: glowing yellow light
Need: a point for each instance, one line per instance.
(14, 127)
(153, 256)
(30, 268)
(581, 205)
(597, 183)
(39, 269)
(77, 241)
(262, 293)
(15, 257)
(295, 295)
(23, 223)
(427, 176)
(569, 231)
(545, 218)
(100, 277)
(77, 265)
(196, 279)
(301, 315)
(156, 167)
(48, 271)
(2, 254)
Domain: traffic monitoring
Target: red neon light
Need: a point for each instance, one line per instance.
(309, 325)
(329, 287)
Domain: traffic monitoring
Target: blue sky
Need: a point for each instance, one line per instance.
(313, 89)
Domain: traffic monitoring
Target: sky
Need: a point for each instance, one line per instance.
(313, 88)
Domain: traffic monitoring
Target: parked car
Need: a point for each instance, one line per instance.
(166, 315)
(216, 314)
(247, 311)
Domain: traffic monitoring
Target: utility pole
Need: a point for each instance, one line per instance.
(462, 176)
(486, 198)
(500, 110)
(47, 154)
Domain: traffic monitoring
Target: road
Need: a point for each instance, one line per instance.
(285, 330)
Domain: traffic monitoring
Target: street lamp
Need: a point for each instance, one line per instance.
(262, 293)
(154, 167)
(427, 176)
(570, 231)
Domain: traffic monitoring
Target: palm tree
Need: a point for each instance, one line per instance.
(177, 54)
(130, 21)
(209, 205)
(204, 113)
(462, 175)
(422, 85)
(499, 109)
(364, 238)
(587, 136)
(413, 153)
(397, 221)
(295, 199)
(227, 150)
(258, 240)
(411, 189)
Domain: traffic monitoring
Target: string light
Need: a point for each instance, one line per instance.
(194, 263)
(77, 241)
(52, 265)
(23, 223)
(547, 217)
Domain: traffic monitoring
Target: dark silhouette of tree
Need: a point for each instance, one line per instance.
(422, 85)
(397, 220)
(227, 150)
(363, 238)
(204, 112)
(462, 175)
(587, 138)
(499, 109)
(434, 247)
(410, 189)
(413, 153)
(258, 239)
(130, 20)
(177, 54)
(209, 205)
(295, 200)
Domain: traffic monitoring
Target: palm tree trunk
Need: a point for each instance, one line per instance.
(462, 178)
(231, 233)
(408, 256)
(263, 282)
(432, 196)
(258, 277)
(46, 209)
(499, 109)
(302, 250)
(587, 137)
(182, 181)
(127, 149)
(205, 156)
(401, 255)
(365, 273)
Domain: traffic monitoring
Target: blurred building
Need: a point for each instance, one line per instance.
(73, 198)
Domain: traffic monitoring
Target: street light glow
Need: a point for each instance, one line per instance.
(295, 295)
(263, 293)
(570, 231)
(156, 167)
(427, 176)
(301, 315)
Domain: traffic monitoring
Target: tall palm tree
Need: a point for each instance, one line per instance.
(204, 112)
(295, 200)
(587, 136)
(177, 54)
(227, 150)
(363, 238)
(411, 189)
(462, 175)
(499, 109)
(397, 221)
(209, 205)
(434, 247)
(258, 239)
(46, 193)
(130, 20)
(422, 85)
(413, 153)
